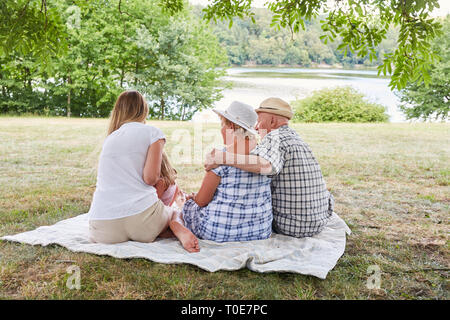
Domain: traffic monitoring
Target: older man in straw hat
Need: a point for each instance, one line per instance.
(301, 202)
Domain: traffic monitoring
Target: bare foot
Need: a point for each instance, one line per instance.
(188, 240)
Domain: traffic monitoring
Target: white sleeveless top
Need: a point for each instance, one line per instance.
(121, 191)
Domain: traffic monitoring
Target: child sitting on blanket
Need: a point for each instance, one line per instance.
(166, 187)
(168, 191)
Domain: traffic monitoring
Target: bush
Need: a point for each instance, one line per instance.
(341, 104)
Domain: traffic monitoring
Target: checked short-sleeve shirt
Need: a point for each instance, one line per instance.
(241, 209)
(301, 202)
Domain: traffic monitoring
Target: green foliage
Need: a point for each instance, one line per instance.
(31, 27)
(112, 46)
(177, 70)
(341, 104)
(431, 101)
(361, 24)
(36, 27)
(258, 43)
(16, 83)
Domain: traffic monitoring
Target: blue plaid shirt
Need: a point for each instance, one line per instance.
(241, 209)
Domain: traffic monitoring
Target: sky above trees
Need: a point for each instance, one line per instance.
(442, 11)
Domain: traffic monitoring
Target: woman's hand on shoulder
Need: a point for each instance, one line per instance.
(213, 159)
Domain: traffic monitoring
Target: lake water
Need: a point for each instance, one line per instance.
(254, 84)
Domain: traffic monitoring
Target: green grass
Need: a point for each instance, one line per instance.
(390, 182)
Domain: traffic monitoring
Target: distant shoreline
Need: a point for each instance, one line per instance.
(312, 66)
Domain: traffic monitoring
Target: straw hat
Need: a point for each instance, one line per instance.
(276, 106)
(241, 114)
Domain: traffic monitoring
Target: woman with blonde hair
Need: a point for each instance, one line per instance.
(125, 204)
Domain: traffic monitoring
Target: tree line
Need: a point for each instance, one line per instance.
(73, 57)
(259, 43)
(174, 60)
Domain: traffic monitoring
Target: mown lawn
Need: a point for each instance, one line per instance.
(390, 181)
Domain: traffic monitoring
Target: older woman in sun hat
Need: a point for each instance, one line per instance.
(302, 205)
(232, 204)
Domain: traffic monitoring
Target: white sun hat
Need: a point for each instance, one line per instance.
(241, 114)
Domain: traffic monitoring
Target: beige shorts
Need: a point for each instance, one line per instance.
(142, 227)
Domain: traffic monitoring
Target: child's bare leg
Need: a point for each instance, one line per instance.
(180, 198)
(186, 237)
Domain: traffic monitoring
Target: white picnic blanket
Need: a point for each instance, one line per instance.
(314, 256)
